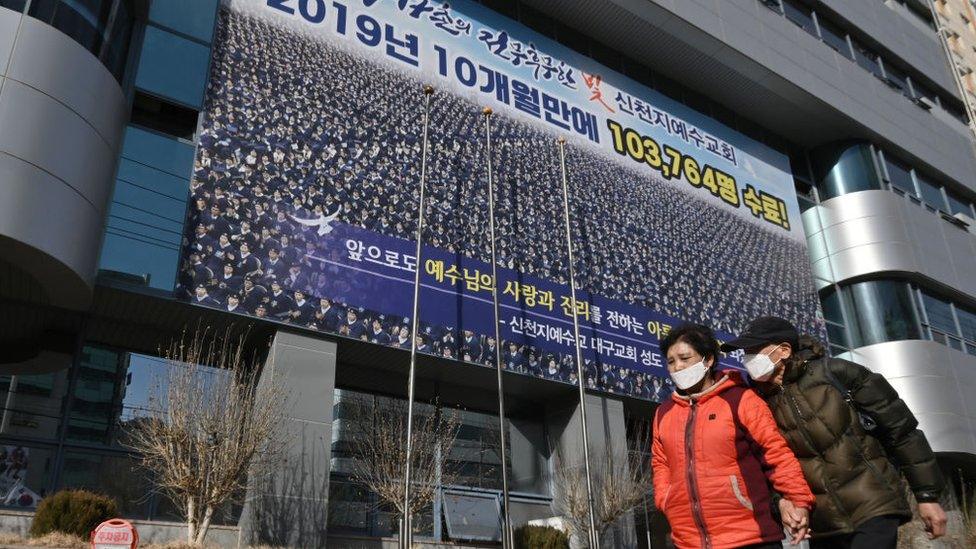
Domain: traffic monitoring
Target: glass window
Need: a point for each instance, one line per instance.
(173, 67)
(102, 27)
(800, 14)
(349, 507)
(805, 201)
(830, 302)
(32, 403)
(118, 476)
(16, 5)
(967, 321)
(25, 473)
(165, 154)
(831, 305)
(899, 78)
(834, 37)
(939, 314)
(925, 91)
(115, 54)
(144, 227)
(844, 169)
(85, 21)
(958, 205)
(867, 59)
(899, 176)
(191, 17)
(931, 193)
(94, 401)
(161, 116)
(146, 217)
(837, 335)
(472, 517)
(883, 310)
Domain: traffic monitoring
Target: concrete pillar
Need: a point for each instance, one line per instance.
(607, 436)
(290, 508)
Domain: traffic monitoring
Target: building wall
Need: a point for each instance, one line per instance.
(958, 18)
(934, 380)
(869, 232)
(61, 119)
(754, 61)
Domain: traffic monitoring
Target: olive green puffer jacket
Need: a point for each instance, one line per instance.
(854, 475)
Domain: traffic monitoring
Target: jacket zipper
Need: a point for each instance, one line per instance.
(692, 477)
(797, 419)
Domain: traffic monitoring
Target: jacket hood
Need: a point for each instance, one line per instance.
(809, 350)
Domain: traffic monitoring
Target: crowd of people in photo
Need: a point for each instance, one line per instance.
(297, 131)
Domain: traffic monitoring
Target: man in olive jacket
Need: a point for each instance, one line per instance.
(853, 435)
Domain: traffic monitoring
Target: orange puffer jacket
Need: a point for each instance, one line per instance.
(715, 455)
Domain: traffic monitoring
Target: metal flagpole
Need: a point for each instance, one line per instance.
(580, 377)
(406, 529)
(507, 540)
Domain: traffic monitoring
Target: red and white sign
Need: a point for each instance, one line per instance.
(115, 534)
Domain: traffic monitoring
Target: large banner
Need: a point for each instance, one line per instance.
(307, 184)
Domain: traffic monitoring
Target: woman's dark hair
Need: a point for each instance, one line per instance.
(701, 338)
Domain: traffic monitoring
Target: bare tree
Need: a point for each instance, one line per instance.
(622, 481)
(379, 450)
(207, 429)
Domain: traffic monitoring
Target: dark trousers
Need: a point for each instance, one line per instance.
(877, 533)
(769, 545)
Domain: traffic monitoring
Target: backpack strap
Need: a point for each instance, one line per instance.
(867, 422)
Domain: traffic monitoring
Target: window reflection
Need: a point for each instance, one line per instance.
(931, 193)
(899, 176)
(835, 38)
(883, 310)
(844, 168)
(32, 403)
(24, 475)
(475, 456)
(801, 15)
(103, 27)
(16, 5)
(867, 59)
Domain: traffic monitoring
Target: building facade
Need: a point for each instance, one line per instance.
(956, 27)
(114, 117)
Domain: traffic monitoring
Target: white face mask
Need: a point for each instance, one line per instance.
(690, 376)
(760, 366)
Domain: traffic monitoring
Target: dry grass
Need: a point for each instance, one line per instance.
(175, 545)
(54, 539)
(63, 541)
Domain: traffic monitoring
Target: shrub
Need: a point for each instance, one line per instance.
(540, 537)
(75, 512)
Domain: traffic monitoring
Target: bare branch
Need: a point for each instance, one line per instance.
(208, 428)
(379, 450)
(622, 481)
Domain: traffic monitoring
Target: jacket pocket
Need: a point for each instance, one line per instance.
(738, 493)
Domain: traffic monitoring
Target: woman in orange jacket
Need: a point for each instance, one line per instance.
(718, 456)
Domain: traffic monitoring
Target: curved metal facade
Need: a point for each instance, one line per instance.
(870, 232)
(934, 380)
(62, 114)
(881, 233)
